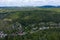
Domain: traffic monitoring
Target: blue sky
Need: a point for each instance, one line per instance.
(29, 2)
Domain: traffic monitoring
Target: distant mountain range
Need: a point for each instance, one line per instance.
(48, 6)
(45, 6)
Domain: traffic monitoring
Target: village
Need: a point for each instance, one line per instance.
(21, 32)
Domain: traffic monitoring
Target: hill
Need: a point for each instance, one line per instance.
(49, 6)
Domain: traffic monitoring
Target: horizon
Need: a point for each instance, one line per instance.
(33, 6)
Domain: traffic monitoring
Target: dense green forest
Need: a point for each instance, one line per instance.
(37, 24)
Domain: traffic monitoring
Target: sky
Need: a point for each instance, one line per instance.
(29, 2)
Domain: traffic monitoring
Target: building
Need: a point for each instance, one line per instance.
(2, 34)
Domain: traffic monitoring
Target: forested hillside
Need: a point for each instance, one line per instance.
(36, 24)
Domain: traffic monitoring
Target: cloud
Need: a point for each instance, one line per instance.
(28, 2)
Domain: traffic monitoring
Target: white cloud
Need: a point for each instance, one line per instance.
(28, 2)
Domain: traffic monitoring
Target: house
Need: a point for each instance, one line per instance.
(2, 34)
(52, 24)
